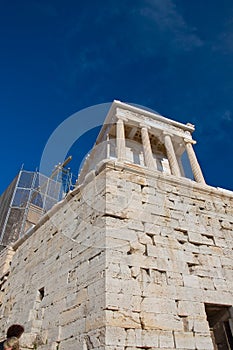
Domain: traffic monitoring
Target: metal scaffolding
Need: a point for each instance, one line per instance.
(27, 198)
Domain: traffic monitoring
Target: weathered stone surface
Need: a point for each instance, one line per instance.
(116, 274)
(184, 340)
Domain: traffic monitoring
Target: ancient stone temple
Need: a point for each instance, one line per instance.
(138, 256)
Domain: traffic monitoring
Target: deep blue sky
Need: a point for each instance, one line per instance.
(58, 57)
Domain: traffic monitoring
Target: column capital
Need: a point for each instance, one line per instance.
(193, 142)
(121, 117)
(142, 125)
(167, 133)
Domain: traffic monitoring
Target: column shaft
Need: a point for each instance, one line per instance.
(174, 166)
(148, 155)
(120, 139)
(107, 146)
(197, 173)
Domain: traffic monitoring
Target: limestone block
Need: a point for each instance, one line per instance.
(152, 250)
(120, 271)
(230, 284)
(149, 198)
(158, 305)
(177, 265)
(135, 271)
(138, 338)
(226, 225)
(94, 289)
(144, 238)
(70, 330)
(94, 321)
(96, 304)
(204, 271)
(209, 260)
(162, 264)
(182, 237)
(188, 293)
(206, 283)
(142, 215)
(123, 233)
(184, 308)
(161, 291)
(115, 336)
(146, 262)
(117, 256)
(198, 238)
(152, 228)
(72, 344)
(227, 260)
(176, 214)
(229, 240)
(136, 247)
(130, 337)
(136, 179)
(135, 225)
(191, 281)
(220, 284)
(203, 342)
(124, 319)
(149, 190)
(157, 209)
(145, 276)
(184, 340)
(191, 258)
(161, 321)
(116, 301)
(199, 324)
(190, 247)
(147, 338)
(221, 242)
(166, 239)
(114, 285)
(166, 340)
(228, 274)
(6, 257)
(174, 278)
(216, 297)
(170, 203)
(160, 277)
(178, 205)
(117, 203)
(188, 308)
(95, 338)
(71, 315)
(121, 245)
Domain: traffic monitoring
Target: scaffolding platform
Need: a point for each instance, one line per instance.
(29, 196)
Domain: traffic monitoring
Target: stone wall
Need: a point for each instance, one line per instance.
(128, 261)
(56, 280)
(170, 254)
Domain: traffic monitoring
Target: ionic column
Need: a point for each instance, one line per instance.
(197, 173)
(120, 139)
(107, 146)
(174, 166)
(148, 155)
